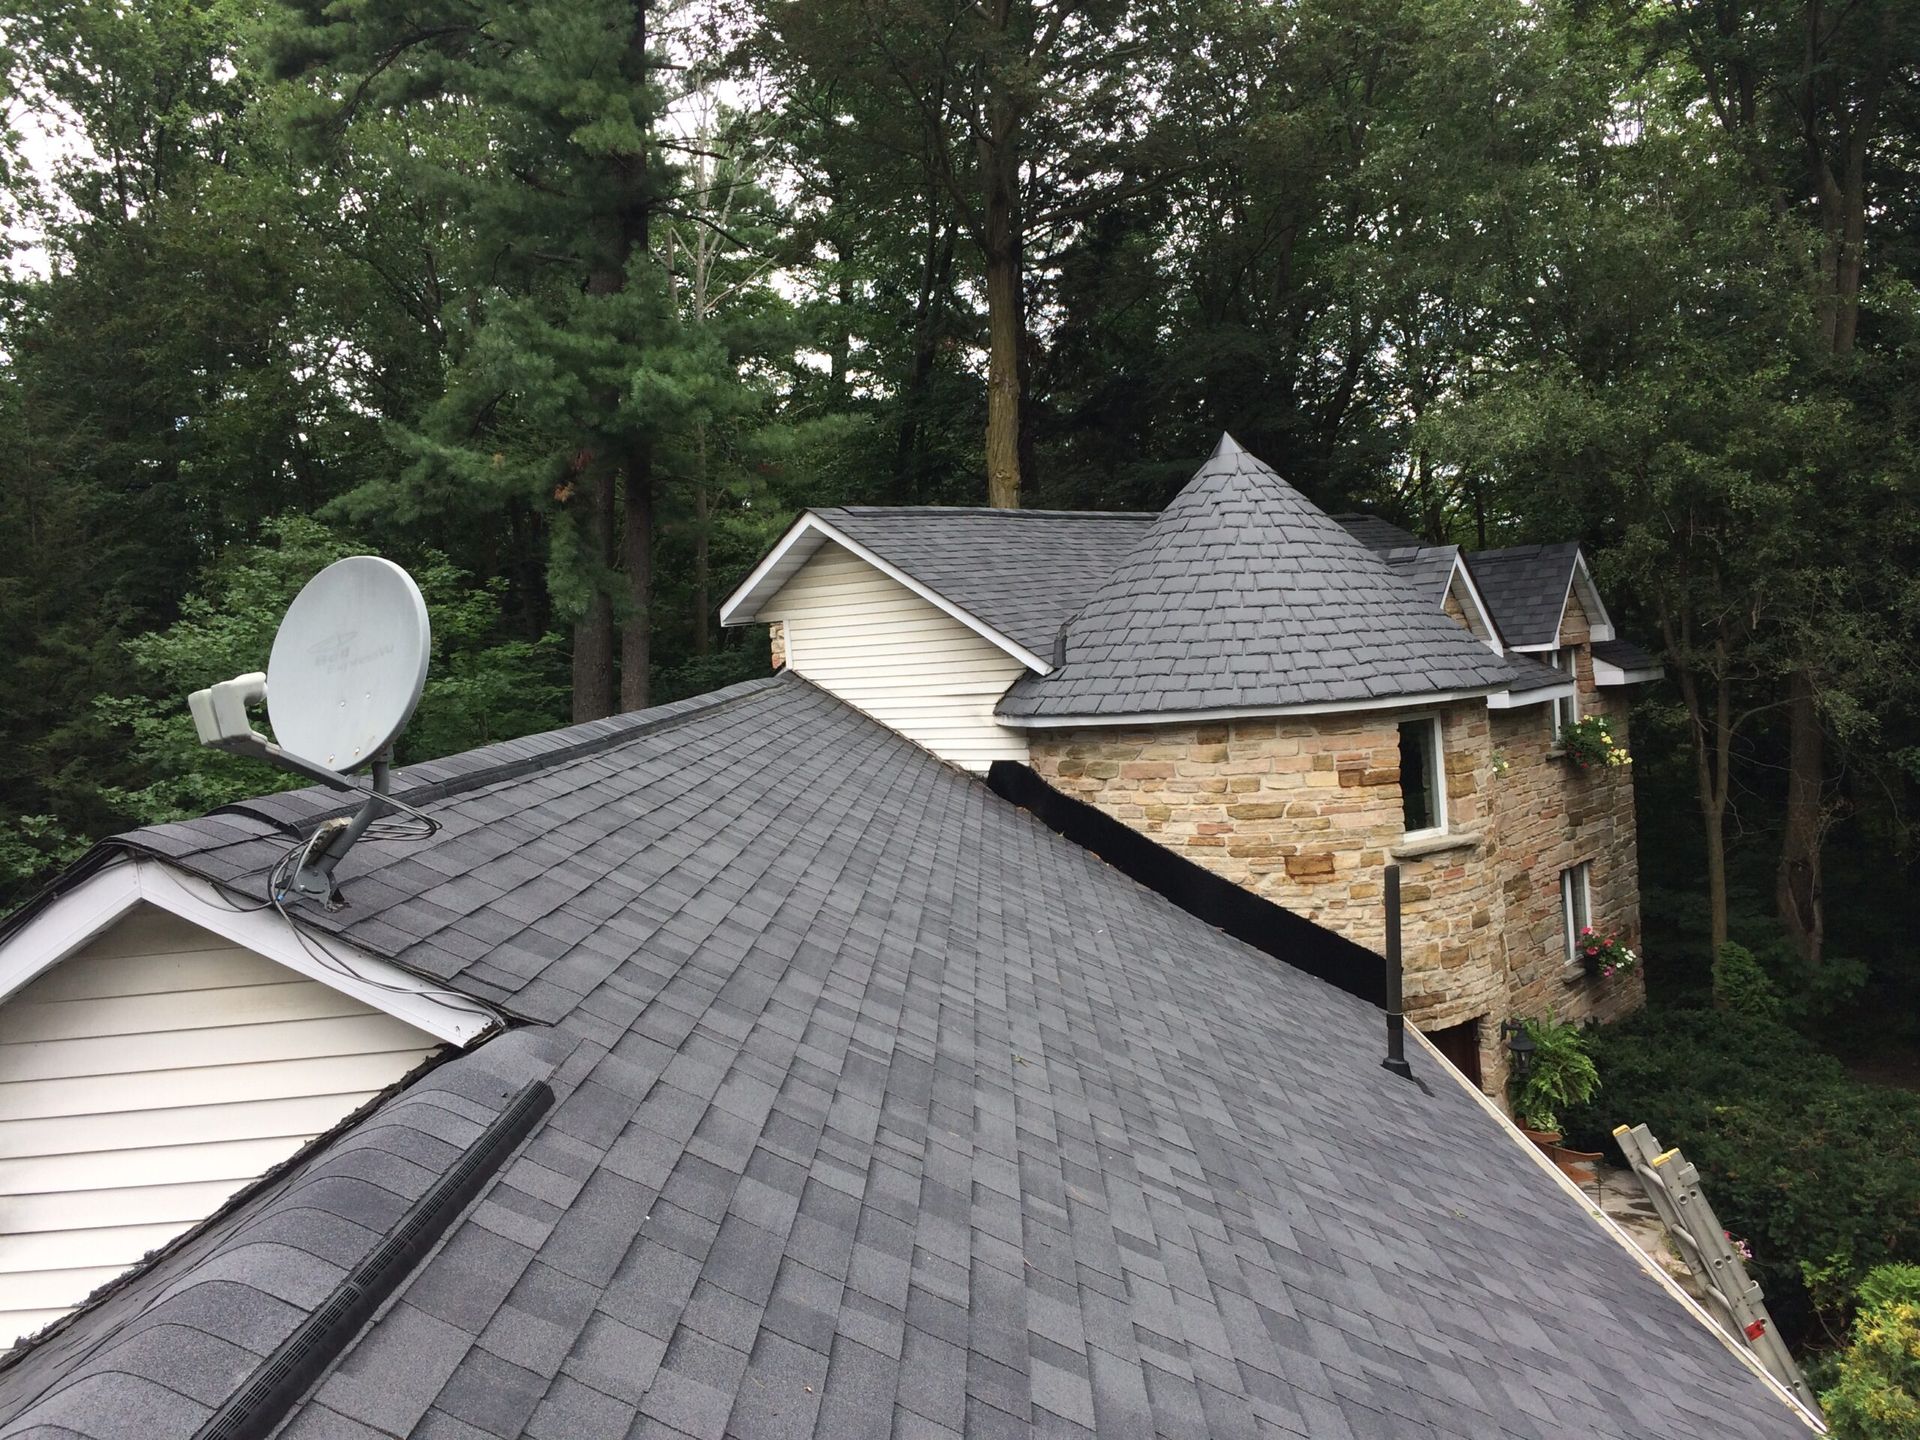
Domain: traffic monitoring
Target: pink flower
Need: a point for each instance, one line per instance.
(1592, 951)
(1607, 970)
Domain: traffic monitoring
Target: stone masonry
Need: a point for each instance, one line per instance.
(1306, 811)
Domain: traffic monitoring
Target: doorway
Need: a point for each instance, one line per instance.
(1461, 1045)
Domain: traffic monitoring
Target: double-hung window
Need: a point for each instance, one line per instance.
(1423, 777)
(1576, 904)
(1566, 710)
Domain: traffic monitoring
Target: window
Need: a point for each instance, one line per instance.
(1423, 796)
(1576, 902)
(1565, 711)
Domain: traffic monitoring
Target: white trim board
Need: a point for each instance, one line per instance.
(1609, 675)
(797, 546)
(1496, 700)
(1520, 699)
(105, 897)
(1463, 572)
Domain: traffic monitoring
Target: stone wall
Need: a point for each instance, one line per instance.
(1550, 817)
(1306, 812)
(777, 643)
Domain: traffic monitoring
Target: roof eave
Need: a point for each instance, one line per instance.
(1243, 712)
(1608, 676)
(803, 538)
(82, 911)
(1521, 699)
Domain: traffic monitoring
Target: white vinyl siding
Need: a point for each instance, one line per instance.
(881, 648)
(147, 1078)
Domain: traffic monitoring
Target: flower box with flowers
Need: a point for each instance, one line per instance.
(1605, 955)
(1588, 744)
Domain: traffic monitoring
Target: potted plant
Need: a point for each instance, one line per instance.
(1605, 955)
(1559, 1072)
(1588, 744)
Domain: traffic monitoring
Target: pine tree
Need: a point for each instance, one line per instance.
(564, 325)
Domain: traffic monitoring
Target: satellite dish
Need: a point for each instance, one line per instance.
(349, 663)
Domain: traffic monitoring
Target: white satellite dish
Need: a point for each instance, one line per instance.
(349, 663)
(347, 668)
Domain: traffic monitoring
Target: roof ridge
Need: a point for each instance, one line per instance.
(606, 733)
(985, 510)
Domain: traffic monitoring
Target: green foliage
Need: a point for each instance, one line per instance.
(1876, 1394)
(1590, 745)
(1561, 1074)
(479, 689)
(1889, 1285)
(1740, 985)
(1814, 1168)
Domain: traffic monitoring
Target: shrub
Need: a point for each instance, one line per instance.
(1877, 1392)
(1740, 985)
(1815, 1169)
(1890, 1285)
(1561, 1074)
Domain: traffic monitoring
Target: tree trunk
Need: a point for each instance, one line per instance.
(1006, 324)
(593, 631)
(1712, 736)
(936, 281)
(636, 543)
(842, 343)
(702, 552)
(1797, 884)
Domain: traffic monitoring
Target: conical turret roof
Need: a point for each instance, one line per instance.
(1244, 595)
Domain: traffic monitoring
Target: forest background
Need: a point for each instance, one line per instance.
(571, 305)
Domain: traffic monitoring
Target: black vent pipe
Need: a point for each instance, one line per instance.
(1396, 1060)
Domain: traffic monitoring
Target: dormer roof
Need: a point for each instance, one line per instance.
(1527, 586)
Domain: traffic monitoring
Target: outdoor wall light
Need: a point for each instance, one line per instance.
(1520, 1045)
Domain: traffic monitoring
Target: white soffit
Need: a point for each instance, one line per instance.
(797, 547)
(103, 898)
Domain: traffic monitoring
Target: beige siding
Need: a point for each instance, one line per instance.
(907, 663)
(148, 1077)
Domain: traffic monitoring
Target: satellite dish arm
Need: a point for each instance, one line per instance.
(220, 715)
(332, 841)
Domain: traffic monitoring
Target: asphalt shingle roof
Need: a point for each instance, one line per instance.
(1525, 586)
(1024, 572)
(1377, 534)
(1427, 568)
(881, 1110)
(1242, 595)
(1625, 654)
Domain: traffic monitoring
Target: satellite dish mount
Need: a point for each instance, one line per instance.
(348, 665)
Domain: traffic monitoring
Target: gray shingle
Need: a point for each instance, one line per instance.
(1525, 586)
(1023, 572)
(908, 1133)
(1243, 595)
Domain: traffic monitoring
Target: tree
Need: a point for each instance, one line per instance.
(479, 688)
(1807, 93)
(1023, 116)
(557, 338)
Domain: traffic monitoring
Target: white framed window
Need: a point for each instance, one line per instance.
(1566, 710)
(1576, 903)
(1423, 777)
